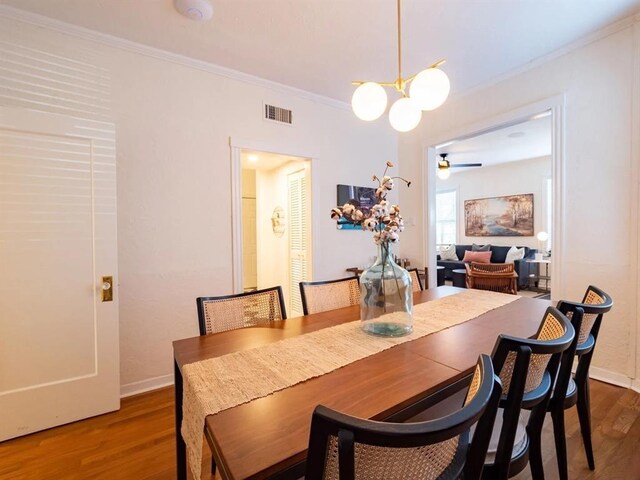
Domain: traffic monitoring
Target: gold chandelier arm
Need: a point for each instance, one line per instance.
(399, 42)
(439, 63)
(384, 84)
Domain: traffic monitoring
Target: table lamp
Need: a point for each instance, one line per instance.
(542, 244)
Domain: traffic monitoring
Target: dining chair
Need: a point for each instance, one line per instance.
(250, 309)
(415, 280)
(329, 295)
(571, 390)
(497, 277)
(229, 312)
(526, 368)
(342, 447)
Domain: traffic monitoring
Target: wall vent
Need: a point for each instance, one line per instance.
(278, 114)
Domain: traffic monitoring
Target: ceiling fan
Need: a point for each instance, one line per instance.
(444, 165)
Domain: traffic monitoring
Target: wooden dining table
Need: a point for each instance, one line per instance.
(268, 437)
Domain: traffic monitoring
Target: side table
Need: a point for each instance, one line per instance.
(459, 276)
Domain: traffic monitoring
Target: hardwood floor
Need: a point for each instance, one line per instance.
(138, 443)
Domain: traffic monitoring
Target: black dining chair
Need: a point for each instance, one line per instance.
(249, 309)
(342, 447)
(415, 280)
(570, 389)
(526, 368)
(329, 294)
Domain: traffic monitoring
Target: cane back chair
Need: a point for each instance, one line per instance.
(571, 390)
(415, 280)
(497, 277)
(526, 368)
(250, 309)
(329, 295)
(342, 447)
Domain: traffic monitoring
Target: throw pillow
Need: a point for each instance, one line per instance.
(513, 254)
(449, 253)
(480, 248)
(479, 257)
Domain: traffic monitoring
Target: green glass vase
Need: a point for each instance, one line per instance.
(386, 297)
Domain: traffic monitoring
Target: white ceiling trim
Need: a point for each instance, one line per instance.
(586, 40)
(135, 47)
(128, 45)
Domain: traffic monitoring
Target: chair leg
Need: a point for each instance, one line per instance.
(557, 415)
(584, 415)
(534, 430)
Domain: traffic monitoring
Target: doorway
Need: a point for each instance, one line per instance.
(276, 216)
(495, 189)
(548, 203)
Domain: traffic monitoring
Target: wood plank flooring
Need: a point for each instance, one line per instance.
(137, 443)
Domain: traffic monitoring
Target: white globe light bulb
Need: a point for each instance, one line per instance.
(543, 236)
(369, 101)
(404, 115)
(444, 173)
(430, 88)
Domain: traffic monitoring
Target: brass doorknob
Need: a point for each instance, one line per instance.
(107, 289)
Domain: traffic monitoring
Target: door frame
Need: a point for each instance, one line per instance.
(236, 146)
(555, 108)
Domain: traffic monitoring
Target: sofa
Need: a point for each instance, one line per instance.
(498, 255)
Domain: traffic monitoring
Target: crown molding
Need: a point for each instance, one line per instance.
(604, 32)
(24, 16)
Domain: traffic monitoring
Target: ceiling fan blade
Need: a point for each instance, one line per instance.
(460, 165)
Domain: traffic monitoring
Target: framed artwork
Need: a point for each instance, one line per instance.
(361, 197)
(509, 216)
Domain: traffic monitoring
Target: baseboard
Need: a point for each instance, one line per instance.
(613, 378)
(145, 385)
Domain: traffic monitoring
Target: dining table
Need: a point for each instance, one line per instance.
(267, 437)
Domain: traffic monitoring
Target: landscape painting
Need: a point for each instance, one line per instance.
(509, 216)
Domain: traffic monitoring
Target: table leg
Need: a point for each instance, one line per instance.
(181, 448)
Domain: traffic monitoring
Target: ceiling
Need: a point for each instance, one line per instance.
(531, 139)
(322, 45)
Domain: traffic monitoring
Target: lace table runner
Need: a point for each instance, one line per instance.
(219, 383)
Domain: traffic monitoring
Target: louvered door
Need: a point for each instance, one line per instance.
(58, 341)
(298, 238)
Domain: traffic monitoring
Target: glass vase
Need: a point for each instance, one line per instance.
(386, 297)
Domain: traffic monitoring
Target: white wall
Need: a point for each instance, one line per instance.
(600, 187)
(526, 176)
(173, 126)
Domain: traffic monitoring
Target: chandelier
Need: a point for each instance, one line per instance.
(428, 90)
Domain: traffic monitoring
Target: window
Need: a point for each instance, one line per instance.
(446, 217)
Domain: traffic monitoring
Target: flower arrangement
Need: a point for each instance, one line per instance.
(383, 219)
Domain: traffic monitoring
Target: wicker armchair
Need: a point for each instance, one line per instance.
(329, 295)
(497, 277)
(218, 314)
(526, 368)
(571, 390)
(415, 280)
(347, 448)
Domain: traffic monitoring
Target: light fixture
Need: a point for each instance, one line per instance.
(198, 10)
(253, 158)
(429, 89)
(444, 167)
(443, 173)
(542, 242)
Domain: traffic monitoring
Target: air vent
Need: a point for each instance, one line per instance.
(278, 114)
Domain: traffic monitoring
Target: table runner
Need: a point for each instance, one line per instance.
(219, 383)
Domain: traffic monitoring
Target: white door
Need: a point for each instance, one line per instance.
(298, 238)
(58, 339)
